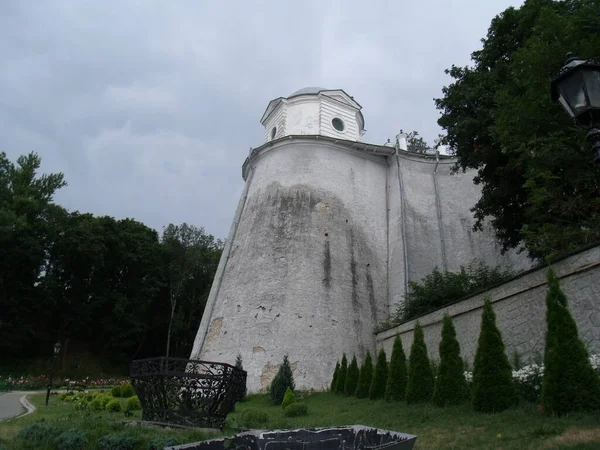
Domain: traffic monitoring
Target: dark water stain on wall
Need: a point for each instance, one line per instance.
(327, 265)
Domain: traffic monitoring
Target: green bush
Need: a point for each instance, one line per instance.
(96, 404)
(296, 410)
(336, 373)
(39, 433)
(113, 406)
(450, 384)
(116, 391)
(340, 383)
(239, 365)
(493, 387)
(72, 439)
(63, 395)
(105, 399)
(80, 405)
(351, 377)
(133, 404)
(288, 398)
(254, 418)
(161, 442)
(127, 391)
(569, 382)
(364, 377)
(395, 389)
(377, 389)
(283, 380)
(68, 398)
(117, 442)
(419, 386)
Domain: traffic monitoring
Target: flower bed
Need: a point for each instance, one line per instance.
(41, 382)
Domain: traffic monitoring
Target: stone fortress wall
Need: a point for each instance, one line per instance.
(520, 312)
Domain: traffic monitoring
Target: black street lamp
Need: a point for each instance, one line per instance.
(577, 89)
(56, 352)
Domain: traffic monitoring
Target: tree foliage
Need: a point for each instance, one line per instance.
(493, 388)
(570, 383)
(364, 377)
(334, 378)
(396, 383)
(539, 187)
(283, 380)
(340, 383)
(351, 377)
(419, 386)
(450, 384)
(379, 381)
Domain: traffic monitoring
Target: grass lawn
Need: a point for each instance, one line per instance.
(450, 428)
(94, 424)
(438, 428)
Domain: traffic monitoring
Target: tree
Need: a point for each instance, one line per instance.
(539, 188)
(239, 365)
(396, 383)
(379, 381)
(493, 388)
(450, 384)
(416, 143)
(364, 377)
(192, 257)
(335, 377)
(419, 386)
(351, 377)
(570, 383)
(283, 380)
(341, 378)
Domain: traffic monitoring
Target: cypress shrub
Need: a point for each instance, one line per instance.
(364, 377)
(351, 377)
(450, 384)
(341, 379)
(336, 372)
(419, 387)
(493, 387)
(379, 381)
(395, 389)
(283, 380)
(288, 398)
(569, 383)
(239, 365)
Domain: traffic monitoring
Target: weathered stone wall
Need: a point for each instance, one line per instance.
(520, 312)
(306, 274)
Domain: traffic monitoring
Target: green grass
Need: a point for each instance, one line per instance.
(439, 428)
(94, 424)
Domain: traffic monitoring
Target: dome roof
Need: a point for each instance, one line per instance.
(308, 91)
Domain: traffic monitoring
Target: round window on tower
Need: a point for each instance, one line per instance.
(338, 124)
(273, 132)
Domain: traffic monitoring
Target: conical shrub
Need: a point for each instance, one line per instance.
(493, 387)
(283, 380)
(335, 377)
(419, 386)
(380, 375)
(351, 377)
(395, 389)
(364, 377)
(569, 383)
(450, 384)
(341, 380)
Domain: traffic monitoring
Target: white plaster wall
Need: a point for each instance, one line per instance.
(302, 116)
(276, 119)
(306, 274)
(520, 307)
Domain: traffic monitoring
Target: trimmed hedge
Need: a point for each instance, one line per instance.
(419, 387)
(379, 381)
(450, 384)
(395, 389)
(364, 377)
(351, 377)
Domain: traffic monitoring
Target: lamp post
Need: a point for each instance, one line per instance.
(56, 352)
(577, 89)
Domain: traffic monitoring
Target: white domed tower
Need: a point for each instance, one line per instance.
(304, 269)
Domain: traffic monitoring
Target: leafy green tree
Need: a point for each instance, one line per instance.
(538, 184)
(416, 143)
(335, 377)
(240, 365)
(364, 377)
(419, 386)
(570, 383)
(192, 257)
(493, 387)
(379, 381)
(351, 377)
(341, 379)
(396, 383)
(283, 380)
(450, 384)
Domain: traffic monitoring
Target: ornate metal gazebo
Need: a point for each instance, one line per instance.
(186, 392)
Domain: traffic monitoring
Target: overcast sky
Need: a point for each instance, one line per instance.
(149, 108)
